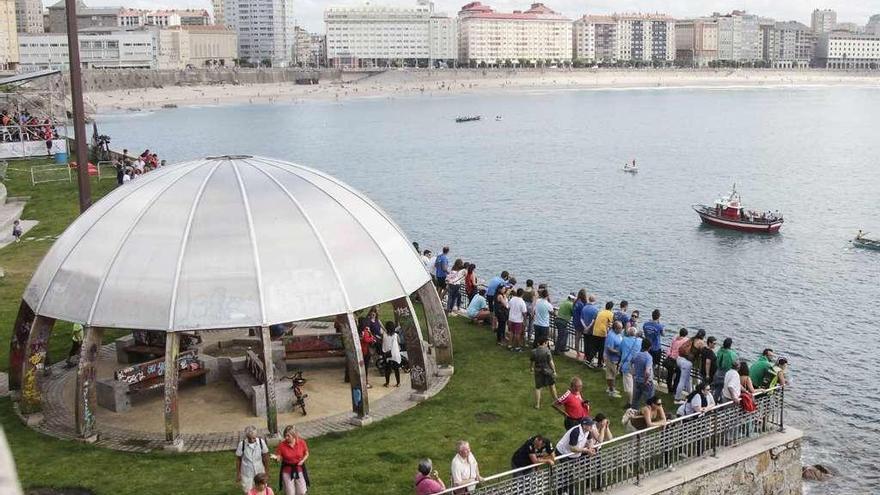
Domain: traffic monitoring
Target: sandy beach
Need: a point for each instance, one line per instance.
(404, 83)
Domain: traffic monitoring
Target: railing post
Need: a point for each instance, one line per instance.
(714, 433)
(638, 459)
(781, 409)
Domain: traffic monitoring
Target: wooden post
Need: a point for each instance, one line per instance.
(415, 346)
(438, 325)
(18, 344)
(172, 373)
(269, 369)
(360, 401)
(86, 373)
(34, 361)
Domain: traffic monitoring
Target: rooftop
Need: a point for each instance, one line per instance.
(537, 11)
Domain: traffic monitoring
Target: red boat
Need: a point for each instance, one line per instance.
(728, 213)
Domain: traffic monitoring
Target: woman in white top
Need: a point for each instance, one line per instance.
(454, 281)
(699, 401)
(391, 349)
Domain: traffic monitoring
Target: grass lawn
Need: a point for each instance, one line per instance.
(488, 402)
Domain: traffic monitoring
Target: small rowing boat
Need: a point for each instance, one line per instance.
(471, 118)
(863, 242)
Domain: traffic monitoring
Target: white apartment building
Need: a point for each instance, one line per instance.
(789, 45)
(8, 35)
(823, 21)
(624, 38)
(535, 36)
(265, 29)
(29, 16)
(696, 41)
(123, 49)
(842, 50)
(379, 35)
(739, 37)
(219, 17)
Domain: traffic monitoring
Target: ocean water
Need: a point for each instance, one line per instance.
(541, 193)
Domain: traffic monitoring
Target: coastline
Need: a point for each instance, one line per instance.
(436, 83)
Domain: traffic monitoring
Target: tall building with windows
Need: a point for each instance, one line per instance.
(265, 29)
(696, 41)
(381, 35)
(843, 50)
(873, 26)
(8, 35)
(789, 45)
(538, 35)
(29, 16)
(739, 37)
(823, 21)
(625, 38)
(217, 6)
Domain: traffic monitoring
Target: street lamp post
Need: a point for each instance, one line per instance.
(79, 117)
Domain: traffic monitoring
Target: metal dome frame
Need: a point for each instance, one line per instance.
(276, 202)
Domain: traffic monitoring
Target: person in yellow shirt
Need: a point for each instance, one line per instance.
(600, 330)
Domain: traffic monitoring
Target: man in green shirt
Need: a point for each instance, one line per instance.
(762, 371)
(563, 319)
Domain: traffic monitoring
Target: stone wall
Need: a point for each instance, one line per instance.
(115, 79)
(770, 465)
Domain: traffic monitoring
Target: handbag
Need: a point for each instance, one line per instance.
(747, 402)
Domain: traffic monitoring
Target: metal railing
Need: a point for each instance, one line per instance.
(631, 457)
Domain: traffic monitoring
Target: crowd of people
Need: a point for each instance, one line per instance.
(129, 167)
(22, 126)
(610, 337)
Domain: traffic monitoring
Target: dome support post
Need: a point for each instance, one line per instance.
(416, 348)
(86, 374)
(438, 326)
(172, 374)
(34, 361)
(269, 369)
(18, 344)
(357, 371)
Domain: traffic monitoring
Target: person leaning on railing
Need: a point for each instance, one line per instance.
(536, 450)
(427, 479)
(651, 414)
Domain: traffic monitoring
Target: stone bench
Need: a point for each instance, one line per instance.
(129, 351)
(116, 393)
(251, 381)
(315, 346)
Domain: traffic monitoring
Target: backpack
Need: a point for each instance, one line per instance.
(260, 440)
(685, 349)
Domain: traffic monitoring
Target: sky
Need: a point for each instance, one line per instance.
(310, 12)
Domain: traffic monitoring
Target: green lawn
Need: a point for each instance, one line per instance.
(487, 401)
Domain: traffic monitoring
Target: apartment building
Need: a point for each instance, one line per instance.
(8, 35)
(823, 21)
(624, 38)
(843, 50)
(28, 16)
(535, 36)
(696, 41)
(265, 30)
(739, 38)
(789, 45)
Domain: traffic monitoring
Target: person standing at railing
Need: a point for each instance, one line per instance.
(465, 468)
(492, 291)
(501, 312)
(653, 331)
(563, 320)
(470, 281)
(518, 311)
(708, 360)
(536, 450)
(613, 341)
(725, 360)
(761, 371)
(428, 480)
(529, 296)
(620, 314)
(454, 280)
(689, 353)
(673, 373)
(643, 375)
(601, 326)
(630, 345)
(578, 308)
(441, 269)
(572, 404)
(428, 262)
(543, 310)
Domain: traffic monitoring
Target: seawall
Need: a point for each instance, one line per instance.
(766, 465)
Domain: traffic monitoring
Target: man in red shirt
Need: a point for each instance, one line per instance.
(572, 405)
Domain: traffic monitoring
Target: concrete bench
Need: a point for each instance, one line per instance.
(116, 393)
(251, 381)
(128, 350)
(314, 346)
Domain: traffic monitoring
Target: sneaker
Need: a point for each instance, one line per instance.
(589, 364)
(615, 394)
(679, 402)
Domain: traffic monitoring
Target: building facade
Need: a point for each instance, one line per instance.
(194, 17)
(536, 36)
(873, 25)
(789, 45)
(636, 38)
(8, 35)
(86, 17)
(318, 46)
(696, 41)
(739, 38)
(823, 21)
(29, 16)
(302, 47)
(214, 45)
(117, 50)
(217, 6)
(379, 35)
(265, 30)
(842, 50)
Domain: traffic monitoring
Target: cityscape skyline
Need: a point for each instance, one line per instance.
(310, 13)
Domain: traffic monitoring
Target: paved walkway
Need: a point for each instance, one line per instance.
(59, 418)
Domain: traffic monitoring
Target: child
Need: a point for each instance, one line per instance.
(16, 230)
(261, 485)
